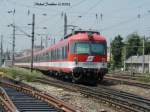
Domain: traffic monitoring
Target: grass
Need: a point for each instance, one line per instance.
(145, 78)
(20, 73)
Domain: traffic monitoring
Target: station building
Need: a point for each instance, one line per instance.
(134, 63)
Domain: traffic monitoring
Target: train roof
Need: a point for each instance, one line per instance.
(84, 35)
(81, 31)
(76, 35)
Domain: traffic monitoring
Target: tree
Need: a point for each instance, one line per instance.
(116, 49)
(134, 45)
(147, 47)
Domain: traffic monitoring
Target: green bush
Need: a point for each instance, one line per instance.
(21, 73)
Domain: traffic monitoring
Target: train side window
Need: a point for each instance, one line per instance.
(63, 53)
(37, 58)
(59, 53)
(43, 57)
(49, 53)
(47, 56)
(25, 60)
(33, 58)
(55, 54)
(66, 49)
(40, 57)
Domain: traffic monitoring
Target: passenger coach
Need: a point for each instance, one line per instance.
(81, 56)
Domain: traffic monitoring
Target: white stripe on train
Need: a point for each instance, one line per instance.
(67, 64)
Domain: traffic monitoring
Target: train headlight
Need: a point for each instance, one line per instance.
(76, 60)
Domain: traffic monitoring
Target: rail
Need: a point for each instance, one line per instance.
(128, 82)
(119, 100)
(36, 94)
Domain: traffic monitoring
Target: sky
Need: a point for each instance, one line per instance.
(109, 17)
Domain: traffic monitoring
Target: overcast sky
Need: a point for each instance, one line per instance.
(110, 17)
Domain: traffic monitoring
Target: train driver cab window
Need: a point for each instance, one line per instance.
(98, 48)
(82, 48)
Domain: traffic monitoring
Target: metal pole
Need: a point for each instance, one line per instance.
(41, 43)
(65, 24)
(33, 24)
(1, 49)
(143, 61)
(110, 55)
(46, 43)
(131, 66)
(125, 52)
(13, 45)
(148, 64)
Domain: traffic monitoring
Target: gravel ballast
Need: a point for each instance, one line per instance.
(76, 99)
(133, 89)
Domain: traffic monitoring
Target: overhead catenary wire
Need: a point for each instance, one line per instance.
(87, 11)
(76, 4)
(70, 8)
(122, 23)
(104, 29)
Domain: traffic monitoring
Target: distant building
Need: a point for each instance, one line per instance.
(134, 63)
(26, 52)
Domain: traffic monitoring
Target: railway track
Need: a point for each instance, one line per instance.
(127, 81)
(19, 98)
(125, 76)
(120, 100)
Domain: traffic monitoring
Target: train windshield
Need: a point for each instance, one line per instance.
(82, 48)
(91, 48)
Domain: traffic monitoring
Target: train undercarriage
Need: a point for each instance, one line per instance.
(80, 75)
(88, 75)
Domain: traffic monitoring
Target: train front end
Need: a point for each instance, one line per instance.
(89, 54)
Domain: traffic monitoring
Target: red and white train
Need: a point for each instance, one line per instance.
(81, 55)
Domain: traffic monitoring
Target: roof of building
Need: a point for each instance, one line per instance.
(138, 59)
